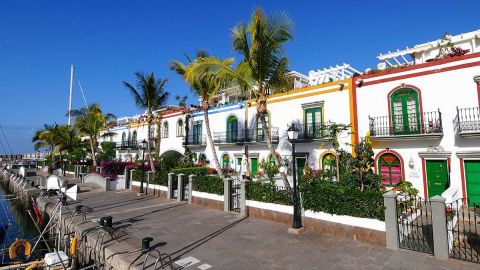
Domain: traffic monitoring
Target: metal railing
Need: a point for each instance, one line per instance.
(408, 124)
(230, 136)
(194, 140)
(127, 145)
(259, 135)
(315, 131)
(467, 120)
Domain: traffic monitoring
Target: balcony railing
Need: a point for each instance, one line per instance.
(258, 135)
(127, 145)
(193, 140)
(407, 125)
(315, 131)
(467, 121)
(231, 136)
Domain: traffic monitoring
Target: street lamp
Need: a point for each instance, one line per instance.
(143, 146)
(292, 133)
(64, 166)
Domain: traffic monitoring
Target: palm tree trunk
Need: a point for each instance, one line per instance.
(150, 157)
(159, 139)
(92, 147)
(266, 131)
(212, 146)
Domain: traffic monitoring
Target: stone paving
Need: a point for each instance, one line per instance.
(211, 239)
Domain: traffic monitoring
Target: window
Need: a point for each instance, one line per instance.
(329, 165)
(225, 161)
(405, 111)
(313, 122)
(151, 135)
(180, 128)
(124, 137)
(197, 133)
(134, 136)
(165, 129)
(232, 129)
(389, 167)
(260, 130)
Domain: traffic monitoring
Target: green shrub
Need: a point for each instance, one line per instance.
(70, 168)
(198, 171)
(340, 199)
(160, 177)
(137, 175)
(268, 192)
(208, 184)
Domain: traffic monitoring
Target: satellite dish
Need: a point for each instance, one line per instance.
(55, 182)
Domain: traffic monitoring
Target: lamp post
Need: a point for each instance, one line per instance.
(64, 166)
(143, 146)
(292, 132)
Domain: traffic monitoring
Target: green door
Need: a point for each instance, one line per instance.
(253, 166)
(405, 112)
(437, 177)
(472, 175)
(313, 123)
(232, 129)
(300, 166)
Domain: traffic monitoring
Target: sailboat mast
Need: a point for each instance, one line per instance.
(70, 97)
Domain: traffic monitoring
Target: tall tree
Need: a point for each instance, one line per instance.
(263, 69)
(67, 139)
(89, 121)
(150, 95)
(206, 86)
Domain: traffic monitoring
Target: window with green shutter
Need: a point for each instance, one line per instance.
(405, 111)
(313, 120)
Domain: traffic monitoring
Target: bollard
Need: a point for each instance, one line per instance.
(171, 176)
(243, 198)
(390, 203)
(191, 179)
(227, 190)
(146, 243)
(180, 193)
(439, 224)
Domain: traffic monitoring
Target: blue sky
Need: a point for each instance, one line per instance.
(108, 41)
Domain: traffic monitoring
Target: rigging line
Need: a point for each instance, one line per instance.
(6, 140)
(3, 147)
(83, 95)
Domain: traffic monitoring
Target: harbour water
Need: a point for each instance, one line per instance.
(14, 213)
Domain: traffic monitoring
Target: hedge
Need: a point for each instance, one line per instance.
(339, 199)
(208, 184)
(198, 171)
(69, 167)
(268, 193)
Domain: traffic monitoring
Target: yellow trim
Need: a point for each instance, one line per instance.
(346, 81)
(352, 116)
(320, 157)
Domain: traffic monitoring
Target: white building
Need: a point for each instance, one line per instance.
(423, 117)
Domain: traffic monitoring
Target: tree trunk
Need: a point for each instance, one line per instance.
(149, 149)
(212, 146)
(261, 110)
(159, 139)
(92, 146)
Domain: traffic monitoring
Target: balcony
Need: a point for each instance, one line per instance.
(127, 145)
(197, 140)
(408, 126)
(314, 132)
(258, 135)
(467, 122)
(228, 137)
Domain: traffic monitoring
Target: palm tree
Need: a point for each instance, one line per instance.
(263, 69)
(67, 139)
(206, 86)
(89, 121)
(149, 95)
(181, 101)
(46, 137)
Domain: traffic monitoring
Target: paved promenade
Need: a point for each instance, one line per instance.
(203, 238)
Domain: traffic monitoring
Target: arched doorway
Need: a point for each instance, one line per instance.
(390, 168)
(232, 129)
(406, 118)
(329, 165)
